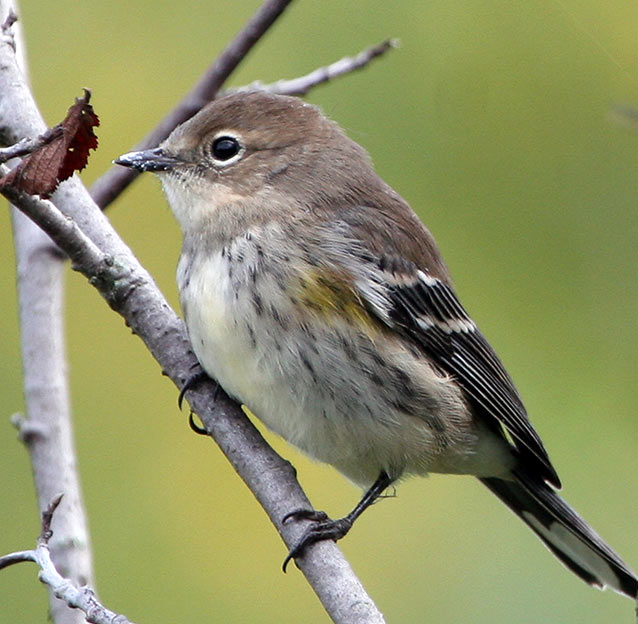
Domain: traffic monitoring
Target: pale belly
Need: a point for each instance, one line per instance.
(343, 395)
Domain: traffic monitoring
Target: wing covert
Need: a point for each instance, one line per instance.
(426, 310)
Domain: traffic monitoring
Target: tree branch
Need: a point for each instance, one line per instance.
(47, 430)
(346, 65)
(82, 598)
(128, 288)
(26, 146)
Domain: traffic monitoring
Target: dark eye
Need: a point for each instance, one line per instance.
(225, 147)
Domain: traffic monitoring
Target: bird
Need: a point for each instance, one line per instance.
(315, 296)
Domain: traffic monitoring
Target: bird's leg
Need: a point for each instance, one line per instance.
(324, 527)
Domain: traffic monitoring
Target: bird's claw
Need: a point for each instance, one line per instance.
(305, 514)
(190, 383)
(323, 528)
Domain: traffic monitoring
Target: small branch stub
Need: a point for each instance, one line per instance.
(47, 516)
(82, 598)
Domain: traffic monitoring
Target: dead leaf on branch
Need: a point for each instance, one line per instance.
(40, 172)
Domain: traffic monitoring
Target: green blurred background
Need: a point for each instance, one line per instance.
(494, 119)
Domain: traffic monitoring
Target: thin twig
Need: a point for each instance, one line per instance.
(26, 146)
(82, 598)
(16, 557)
(115, 180)
(346, 65)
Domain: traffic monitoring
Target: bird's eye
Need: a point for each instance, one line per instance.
(225, 148)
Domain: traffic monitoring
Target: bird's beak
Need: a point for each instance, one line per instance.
(149, 160)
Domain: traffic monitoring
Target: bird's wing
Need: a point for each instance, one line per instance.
(426, 311)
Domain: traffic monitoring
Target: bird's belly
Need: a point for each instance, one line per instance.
(345, 394)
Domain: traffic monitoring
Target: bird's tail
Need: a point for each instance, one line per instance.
(565, 533)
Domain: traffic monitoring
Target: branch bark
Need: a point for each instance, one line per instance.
(82, 598)
(47, 430)
(78, 226)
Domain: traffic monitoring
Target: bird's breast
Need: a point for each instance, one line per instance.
(290, 340)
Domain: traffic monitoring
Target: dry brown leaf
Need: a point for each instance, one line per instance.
(40, 172)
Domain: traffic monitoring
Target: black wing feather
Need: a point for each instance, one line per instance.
(427, 311)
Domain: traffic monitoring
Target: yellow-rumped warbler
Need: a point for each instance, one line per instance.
(314, 295)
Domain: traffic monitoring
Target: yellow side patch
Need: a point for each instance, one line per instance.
(328, 293)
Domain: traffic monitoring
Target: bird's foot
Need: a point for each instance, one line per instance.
(323, 528)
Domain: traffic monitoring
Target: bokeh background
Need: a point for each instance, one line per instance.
(495, 119)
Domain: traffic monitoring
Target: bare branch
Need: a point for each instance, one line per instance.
(77, 245)
(26, 146)
(16, 557)
(80, 248)
(82, 598)
(346, 65)
(46, 431)
(115, 180)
